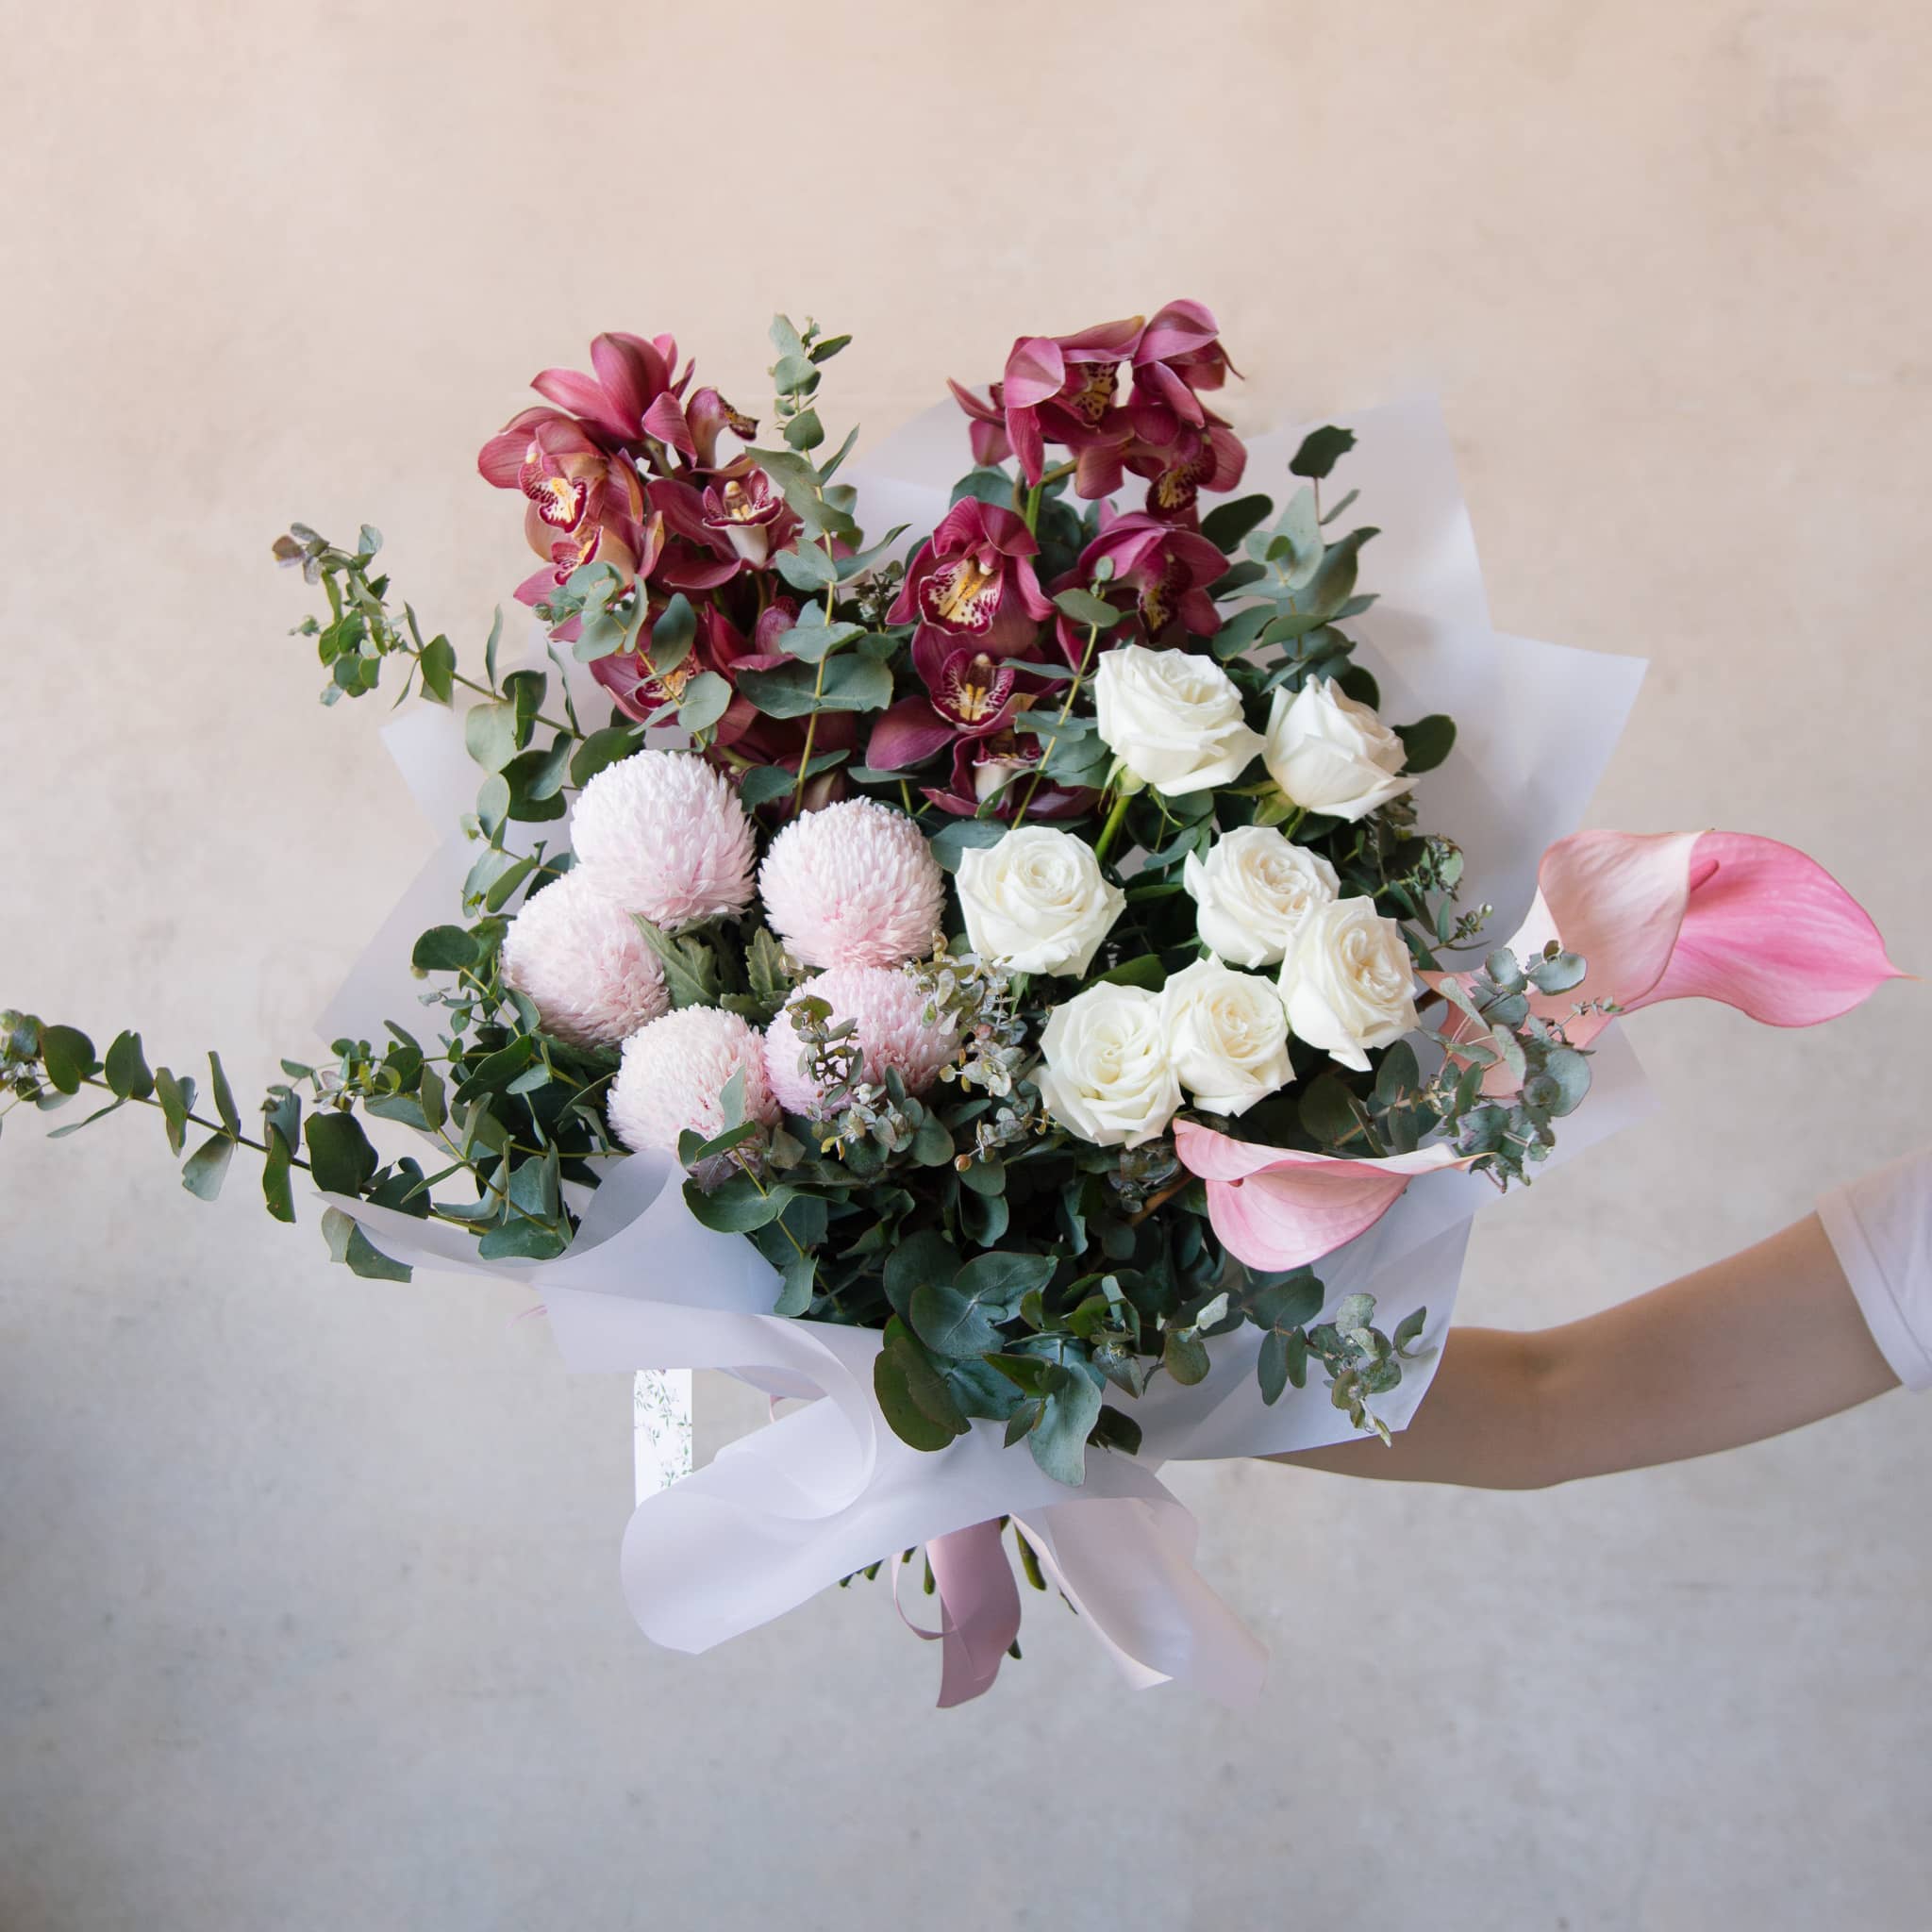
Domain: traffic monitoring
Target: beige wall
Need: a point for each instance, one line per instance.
(307, 1606)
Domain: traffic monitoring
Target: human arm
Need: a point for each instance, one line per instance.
(1762, 1341)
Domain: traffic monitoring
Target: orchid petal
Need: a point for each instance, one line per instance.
(1036, 371)
(906, 735)
(1178, 329)
(583, 395)
(665, 420)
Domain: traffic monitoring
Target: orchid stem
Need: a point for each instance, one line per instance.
(1066, 711)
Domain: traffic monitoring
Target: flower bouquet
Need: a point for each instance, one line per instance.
(997, 980)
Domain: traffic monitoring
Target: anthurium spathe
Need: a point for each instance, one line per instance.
(1279, 1208)
(976, 580)
(1712, 915)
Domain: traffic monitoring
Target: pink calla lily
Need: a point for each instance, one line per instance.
(1277, 1207)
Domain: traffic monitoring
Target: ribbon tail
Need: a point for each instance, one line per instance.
(1127, 1565)
(979, 1610)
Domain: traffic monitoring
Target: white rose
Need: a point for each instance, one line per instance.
(1226, 1036)
(1106, 1074)
(1330, 753)
(1037, 901)
(1173, 718)
(1252, 891)
(1347, 982)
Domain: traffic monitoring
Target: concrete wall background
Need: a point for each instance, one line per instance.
(308, 1603)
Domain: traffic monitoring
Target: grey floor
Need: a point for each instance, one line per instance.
(309, 1613)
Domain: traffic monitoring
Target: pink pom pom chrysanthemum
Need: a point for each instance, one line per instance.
(663, 834)
(675, 1070)
(853, 885)
(588, 970)
(887, 1012)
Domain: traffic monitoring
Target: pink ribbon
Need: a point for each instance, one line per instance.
(979, 1610)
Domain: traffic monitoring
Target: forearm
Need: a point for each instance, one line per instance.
(1761, 1342)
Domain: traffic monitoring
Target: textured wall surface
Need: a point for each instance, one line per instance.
(309, 1615)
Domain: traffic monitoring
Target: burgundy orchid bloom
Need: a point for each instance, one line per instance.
(974, 580)
(747, 511)
(1180, 353)
(998, 763)
(1169, 571)
(1062, 388)
(969, 694)
(633, 376)
(575, 458)
(1210, 456)
(742, 730)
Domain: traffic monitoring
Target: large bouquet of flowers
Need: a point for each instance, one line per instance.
(997, 982)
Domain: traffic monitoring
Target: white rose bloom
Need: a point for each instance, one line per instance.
(1172, 718)
(1037, 901)
(1226, 1036)
(1347, 982)
(1107, 1075)
(1331, 755)
(1252, 891)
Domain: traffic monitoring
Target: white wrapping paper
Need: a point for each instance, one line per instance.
(828, 1489)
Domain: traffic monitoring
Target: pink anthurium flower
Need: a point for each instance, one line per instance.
(1279, 1208)
(1712, 915)
(975, 581)
(1167, 569)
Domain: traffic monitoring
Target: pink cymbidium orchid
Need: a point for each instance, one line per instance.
(743, 505)
(1180, 353)
(1062, 388)
(1167, 570)
(975, 581)
(1199, 455)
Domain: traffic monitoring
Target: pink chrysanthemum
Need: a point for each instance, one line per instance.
(853, 885)
(673, 1071)
(887, 1012)
(663, 834)
(580, 958)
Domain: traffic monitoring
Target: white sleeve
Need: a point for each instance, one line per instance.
(1881, 1228)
